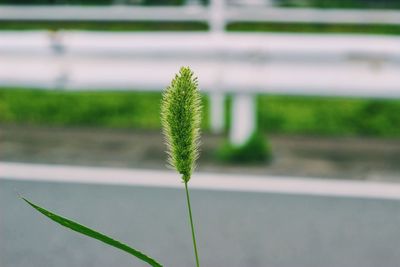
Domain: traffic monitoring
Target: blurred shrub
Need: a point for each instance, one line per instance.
(256, 149)
(6, 114)
(381, 118)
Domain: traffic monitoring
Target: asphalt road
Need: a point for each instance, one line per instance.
(233, 228)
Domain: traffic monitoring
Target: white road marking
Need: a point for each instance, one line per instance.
(206, 181)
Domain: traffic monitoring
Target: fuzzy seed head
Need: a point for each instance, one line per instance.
(180, 118)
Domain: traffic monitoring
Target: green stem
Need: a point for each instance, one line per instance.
(191, 224)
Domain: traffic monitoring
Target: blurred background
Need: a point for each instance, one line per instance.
(301, 97)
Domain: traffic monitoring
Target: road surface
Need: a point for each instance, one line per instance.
(234, 228)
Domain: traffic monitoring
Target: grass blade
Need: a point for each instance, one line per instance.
(93, 234)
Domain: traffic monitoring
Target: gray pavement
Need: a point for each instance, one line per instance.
(234, 229)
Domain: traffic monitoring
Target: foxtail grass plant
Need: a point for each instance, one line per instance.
(180, 116)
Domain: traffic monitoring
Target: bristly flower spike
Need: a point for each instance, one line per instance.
(180, 118)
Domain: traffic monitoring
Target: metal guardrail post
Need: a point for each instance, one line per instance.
(243, 105)
(217, 99)
(243, 123)
(217, 17)
(58, 52)
(217, 111)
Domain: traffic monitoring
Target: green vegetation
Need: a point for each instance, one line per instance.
(314, 28)
(372, 4)
(88, 2)
(256, 149)
(181, 117)
(198, 26)
(94, 109)
(102, 109)
(329, 116)
(276, 114)
(102, 26)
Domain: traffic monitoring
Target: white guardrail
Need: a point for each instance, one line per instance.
(218, 10)
(243, 64)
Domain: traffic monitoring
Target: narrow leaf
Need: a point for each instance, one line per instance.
(93, 234)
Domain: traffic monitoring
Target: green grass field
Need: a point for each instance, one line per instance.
(197, 26)
(314, 28)
(276, 114)
(102, 26)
